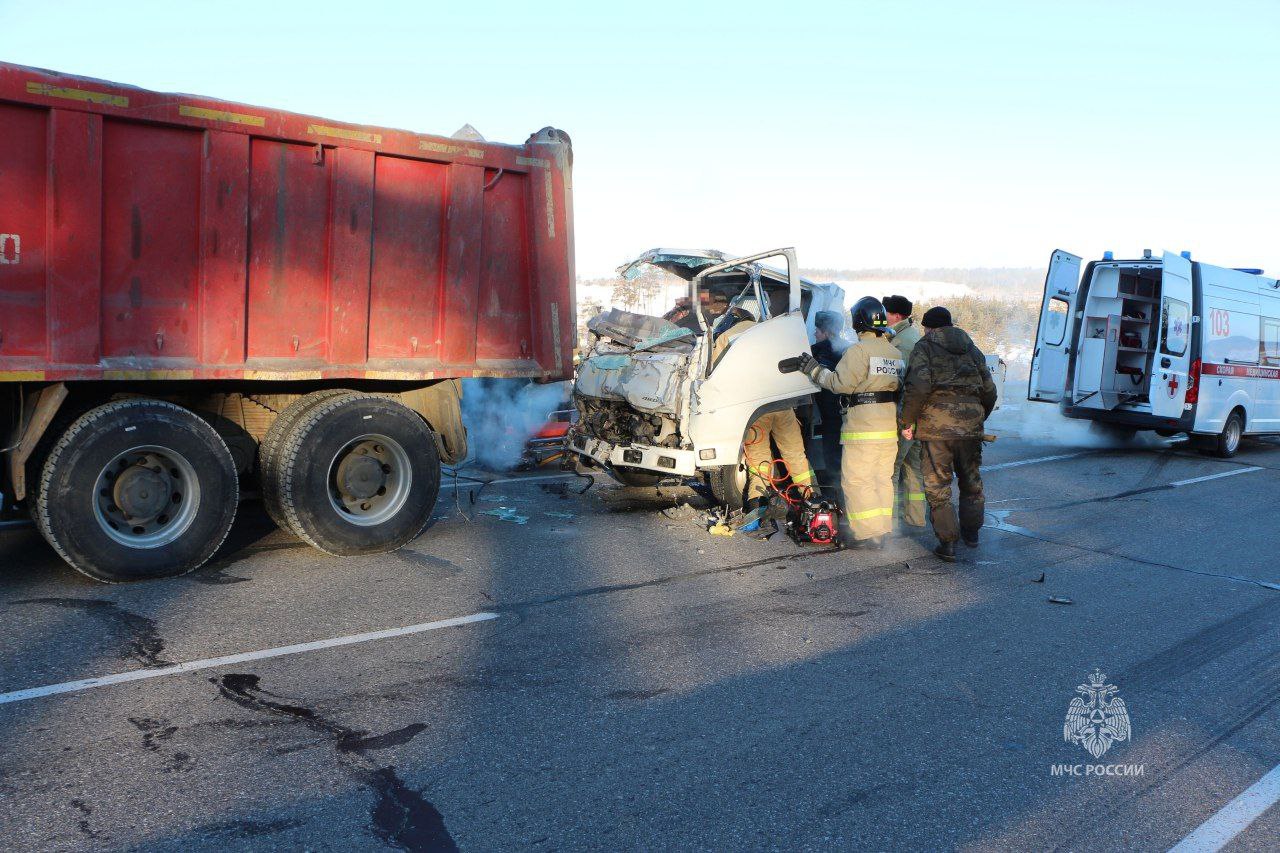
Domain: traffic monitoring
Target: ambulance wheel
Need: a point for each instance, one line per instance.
(1227, 443)
(269, 449)
(358, 474)
(137, 489)
(636, 478)
(729, 484)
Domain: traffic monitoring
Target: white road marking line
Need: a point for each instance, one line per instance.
(1215, 476)
(1036, 461)
(226, 660)
(1233, 818)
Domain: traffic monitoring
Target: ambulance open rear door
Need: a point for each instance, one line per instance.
(1171, 368)
(1052, 356)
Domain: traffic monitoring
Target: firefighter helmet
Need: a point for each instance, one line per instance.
(869, 316)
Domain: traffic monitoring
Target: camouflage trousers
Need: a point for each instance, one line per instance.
(909, 483)
(940, 461)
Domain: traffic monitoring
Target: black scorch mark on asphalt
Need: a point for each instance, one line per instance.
(401, 817)
(216, 576)
(155, 733)
(142, 642)
(86, 829)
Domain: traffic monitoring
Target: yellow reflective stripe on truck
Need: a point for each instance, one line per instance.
(889, 435)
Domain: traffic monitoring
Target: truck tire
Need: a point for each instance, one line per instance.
(1227, 442)
(137, 489)
(729, 485)
(358, 474)
(269, 449)
(636, 478)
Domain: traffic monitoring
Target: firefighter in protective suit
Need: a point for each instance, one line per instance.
(773, 428)
(868, 378)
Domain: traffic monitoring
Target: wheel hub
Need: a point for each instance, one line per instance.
(369, 479)
(146, 497)
(360, 475)
(142, 492)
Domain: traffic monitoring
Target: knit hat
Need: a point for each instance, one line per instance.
(936, 318)
(897, 305)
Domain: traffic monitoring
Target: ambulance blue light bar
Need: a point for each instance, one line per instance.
(1108, 256)
(1249, 270)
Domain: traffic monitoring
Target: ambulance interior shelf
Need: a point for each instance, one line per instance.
(1117, 346)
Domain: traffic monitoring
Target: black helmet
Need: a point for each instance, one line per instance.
(869, 316)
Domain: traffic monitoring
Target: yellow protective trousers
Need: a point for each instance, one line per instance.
(866, 477)
(783, 430)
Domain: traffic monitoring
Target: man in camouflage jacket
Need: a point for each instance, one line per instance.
(947, 395)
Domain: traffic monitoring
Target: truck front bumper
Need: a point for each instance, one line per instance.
(659, 460)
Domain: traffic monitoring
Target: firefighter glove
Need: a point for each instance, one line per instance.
(809, 366)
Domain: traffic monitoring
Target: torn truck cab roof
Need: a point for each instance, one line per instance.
(686, 263)
(682, 262)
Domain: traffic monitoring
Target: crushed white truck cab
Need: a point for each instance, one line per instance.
(1161, 343)
(652, 401)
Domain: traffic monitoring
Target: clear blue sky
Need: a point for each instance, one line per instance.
(866, 133)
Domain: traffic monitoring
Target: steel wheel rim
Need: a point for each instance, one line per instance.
(1233, 434)
(354, 505)
(146, 497)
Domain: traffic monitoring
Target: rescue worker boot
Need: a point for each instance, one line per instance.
(871, 543)
(970, 539)
(946, 551)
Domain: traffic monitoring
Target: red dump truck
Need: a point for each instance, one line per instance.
(199, 296)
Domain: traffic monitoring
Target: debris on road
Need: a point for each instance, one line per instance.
(506, 513)
(1039, 579)
(1060, 599)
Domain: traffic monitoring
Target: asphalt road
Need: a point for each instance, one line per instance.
(644, 685)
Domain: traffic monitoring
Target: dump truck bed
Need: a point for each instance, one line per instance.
(147, 235)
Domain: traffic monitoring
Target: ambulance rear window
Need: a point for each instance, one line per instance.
(1175, 327)
(1055, 321)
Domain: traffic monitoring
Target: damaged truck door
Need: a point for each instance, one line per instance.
(652, 402)
(748, 379)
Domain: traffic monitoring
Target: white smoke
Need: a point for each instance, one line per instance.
(1043, 423)
(502, 414)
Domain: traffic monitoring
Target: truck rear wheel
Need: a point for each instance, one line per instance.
(358, 474)
(137, 489)
(269, 449)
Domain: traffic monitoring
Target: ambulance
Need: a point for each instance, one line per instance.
(1161, 343)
